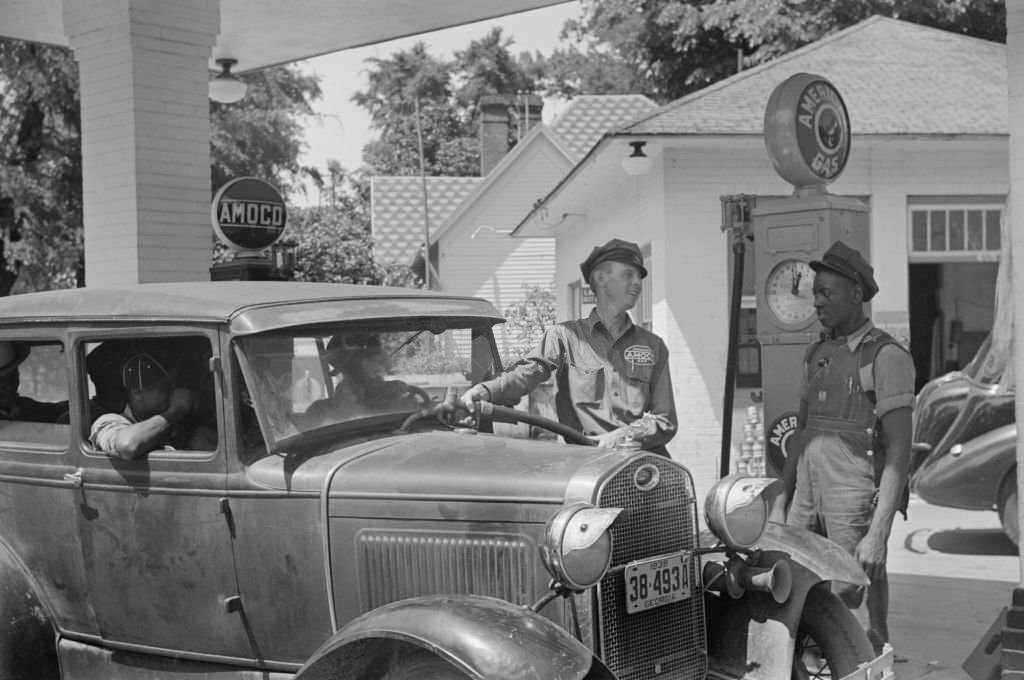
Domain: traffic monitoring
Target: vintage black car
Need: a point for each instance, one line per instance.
(348, 520)
(965, 436)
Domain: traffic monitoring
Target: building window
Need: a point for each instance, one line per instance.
(953, 232)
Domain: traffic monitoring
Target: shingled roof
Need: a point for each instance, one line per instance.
(397, 212)
(895, 77)
(588, 117)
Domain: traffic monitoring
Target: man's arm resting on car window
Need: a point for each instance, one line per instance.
(114, 434)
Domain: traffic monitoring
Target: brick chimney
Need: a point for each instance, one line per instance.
(504, 120)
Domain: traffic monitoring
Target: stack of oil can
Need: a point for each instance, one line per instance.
(751, 460)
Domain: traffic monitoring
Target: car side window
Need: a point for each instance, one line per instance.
(33, 394)
(131, 380)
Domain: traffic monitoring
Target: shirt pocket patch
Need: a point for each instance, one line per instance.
(586, 384)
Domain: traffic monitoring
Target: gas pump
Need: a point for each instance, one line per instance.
(807, 134)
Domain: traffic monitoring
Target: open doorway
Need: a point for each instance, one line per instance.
(925, 326)
(951, 312)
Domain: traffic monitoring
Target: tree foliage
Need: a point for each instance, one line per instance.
(445, 94)
(333, 248)
(261, 135)
(526, 320)
(678, 46)
(40, 168)
(41, 165)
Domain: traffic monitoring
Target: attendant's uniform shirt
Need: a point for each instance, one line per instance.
(602, 383)
(835, 476)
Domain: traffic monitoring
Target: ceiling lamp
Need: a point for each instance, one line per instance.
(637, 163)
(226, 87)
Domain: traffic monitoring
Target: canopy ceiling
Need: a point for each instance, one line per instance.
(260, 33)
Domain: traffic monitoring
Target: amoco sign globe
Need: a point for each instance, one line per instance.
(248, 215)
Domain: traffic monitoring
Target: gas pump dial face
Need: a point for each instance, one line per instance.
(789, 293)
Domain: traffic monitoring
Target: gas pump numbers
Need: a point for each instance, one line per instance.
(789, 293)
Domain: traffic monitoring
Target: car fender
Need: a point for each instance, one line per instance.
(970, 474)
(483, 637)
(753, 636)
(28, 639)
(825, 559)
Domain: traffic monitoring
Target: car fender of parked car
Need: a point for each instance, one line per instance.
(809, 559)
(969, 475)
(483, 637)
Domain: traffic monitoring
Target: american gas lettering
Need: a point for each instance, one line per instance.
(782, 428)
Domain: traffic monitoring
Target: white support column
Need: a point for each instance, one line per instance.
(143, 69)
(1012, 640)
(1015, 201)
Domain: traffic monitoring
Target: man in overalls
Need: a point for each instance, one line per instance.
(857, 380)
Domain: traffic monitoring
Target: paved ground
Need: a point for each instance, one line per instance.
(951, 573)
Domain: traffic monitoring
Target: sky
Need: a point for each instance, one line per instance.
(344, 126)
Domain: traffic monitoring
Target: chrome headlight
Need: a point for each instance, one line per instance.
(735, 510)
(577, 548)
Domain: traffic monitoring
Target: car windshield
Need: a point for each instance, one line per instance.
(304, 379)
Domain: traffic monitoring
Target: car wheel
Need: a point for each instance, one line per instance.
(1007, 507)
(829, 642)
(421, 665)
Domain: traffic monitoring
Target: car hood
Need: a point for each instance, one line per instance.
(435, 464)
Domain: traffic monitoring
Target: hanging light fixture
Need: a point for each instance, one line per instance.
(637, 163)
(226, 87)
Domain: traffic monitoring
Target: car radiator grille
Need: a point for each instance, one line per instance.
(394, 565)
(669, 641)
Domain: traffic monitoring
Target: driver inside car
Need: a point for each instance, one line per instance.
(362, 366)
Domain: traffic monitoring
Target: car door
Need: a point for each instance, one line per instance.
(39, 498)
(155, 537)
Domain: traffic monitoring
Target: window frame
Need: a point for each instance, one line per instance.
(35, 336)
(85, 338)
(964, 205)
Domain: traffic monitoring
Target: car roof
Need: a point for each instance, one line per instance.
(249, 306)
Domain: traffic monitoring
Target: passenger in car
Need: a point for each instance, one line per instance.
(159, 414)
(14, 406)
(364, 387)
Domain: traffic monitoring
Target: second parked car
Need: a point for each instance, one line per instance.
(965, 437)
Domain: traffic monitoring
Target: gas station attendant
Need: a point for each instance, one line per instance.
(610, 373)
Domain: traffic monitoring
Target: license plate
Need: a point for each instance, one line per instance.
(656, 582)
